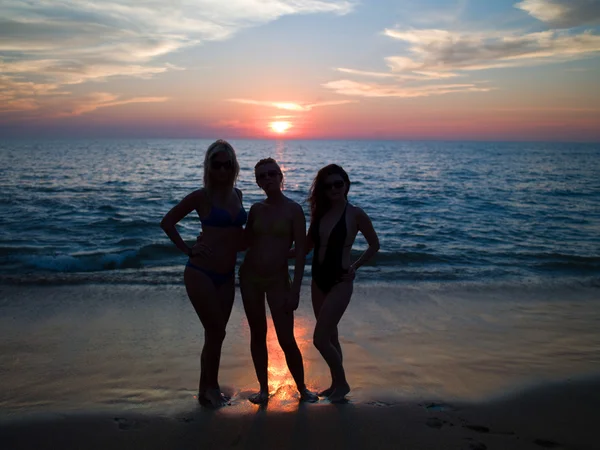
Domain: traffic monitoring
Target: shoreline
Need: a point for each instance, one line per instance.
(559, 416)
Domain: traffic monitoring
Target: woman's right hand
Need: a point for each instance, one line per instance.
(199, 249)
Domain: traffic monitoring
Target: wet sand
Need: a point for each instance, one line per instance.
(465, 367)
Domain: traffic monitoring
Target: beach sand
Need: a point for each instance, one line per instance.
(562, 416)
(431, 366)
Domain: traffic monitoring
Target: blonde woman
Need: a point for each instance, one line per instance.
(209, 272)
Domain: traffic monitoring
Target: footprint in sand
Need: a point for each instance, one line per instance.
(434, 422)
(129, 424)
(478, 428)
(381, 404)
(545, 443)
(439, 407)
(477, 446)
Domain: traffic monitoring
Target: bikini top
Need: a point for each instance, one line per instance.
(220, 217)
(279, 228)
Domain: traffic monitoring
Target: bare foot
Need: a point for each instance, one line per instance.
(260, 398)
(339, 394)
(225, 396)
(215, 398)
(327, 392)
(307, 396)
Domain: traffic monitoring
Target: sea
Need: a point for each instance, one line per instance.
(487, 281)
(76, 211)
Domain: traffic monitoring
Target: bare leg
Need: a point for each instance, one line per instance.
(284, 327)
(254, 306)
(317, 301)
(330, 313)
(225, 297)
(203, 296)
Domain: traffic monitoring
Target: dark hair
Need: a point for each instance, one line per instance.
(264, 161)
(317, 197)
(269, 160)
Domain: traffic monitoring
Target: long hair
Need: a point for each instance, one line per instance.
(214, 148)
(269, 160)
(317, 197)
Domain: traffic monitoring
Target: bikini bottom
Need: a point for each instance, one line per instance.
(263, 283)
(217, 278)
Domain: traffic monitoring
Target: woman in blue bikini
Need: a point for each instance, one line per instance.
(209, 273)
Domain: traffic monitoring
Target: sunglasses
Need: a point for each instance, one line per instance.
(269, 173)
(336, 184)
(216, 165)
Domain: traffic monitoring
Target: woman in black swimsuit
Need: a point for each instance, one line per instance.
(333, 228)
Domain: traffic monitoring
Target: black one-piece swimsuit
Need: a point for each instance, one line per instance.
(327, 273)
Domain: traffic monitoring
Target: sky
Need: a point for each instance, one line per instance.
(510, 70)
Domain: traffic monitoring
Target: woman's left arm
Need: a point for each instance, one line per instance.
(365, 226)
(248, 232)
(299, 230)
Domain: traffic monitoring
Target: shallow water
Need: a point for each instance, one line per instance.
(103, 347)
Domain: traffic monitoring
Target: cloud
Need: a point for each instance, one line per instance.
(416, 76)
(563, 13)
(353, 88)
(96, 100)
(289, 106)
(441, 50)
(434, 55)
(24, 96)
(66, 42)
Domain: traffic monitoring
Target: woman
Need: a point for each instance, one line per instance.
(209, 272)
(273, 225)
(333, 228)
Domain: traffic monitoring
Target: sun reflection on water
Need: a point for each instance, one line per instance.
(284, 394)
(280, 157)
(282, 387)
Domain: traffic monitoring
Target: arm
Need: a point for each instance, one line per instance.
(249, 230)
(299, 228)
(366, 228)
(309, 245)
(178, 212)
(245, 238)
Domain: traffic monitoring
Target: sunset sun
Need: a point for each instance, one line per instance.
(279, 126)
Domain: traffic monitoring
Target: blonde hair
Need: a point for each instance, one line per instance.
(217, 147)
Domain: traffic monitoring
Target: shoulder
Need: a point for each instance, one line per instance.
(357, 212)
(295, 207)
(238, 193)
(256, 207)
(200, 201)
(199, 195)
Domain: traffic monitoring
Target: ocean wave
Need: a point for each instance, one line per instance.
(116, 223)
(83, 263)
(387, 258)
(111, 259)
(128, 256)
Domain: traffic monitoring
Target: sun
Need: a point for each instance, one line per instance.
(280, 126)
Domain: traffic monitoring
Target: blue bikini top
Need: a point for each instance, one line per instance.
(220, 217)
